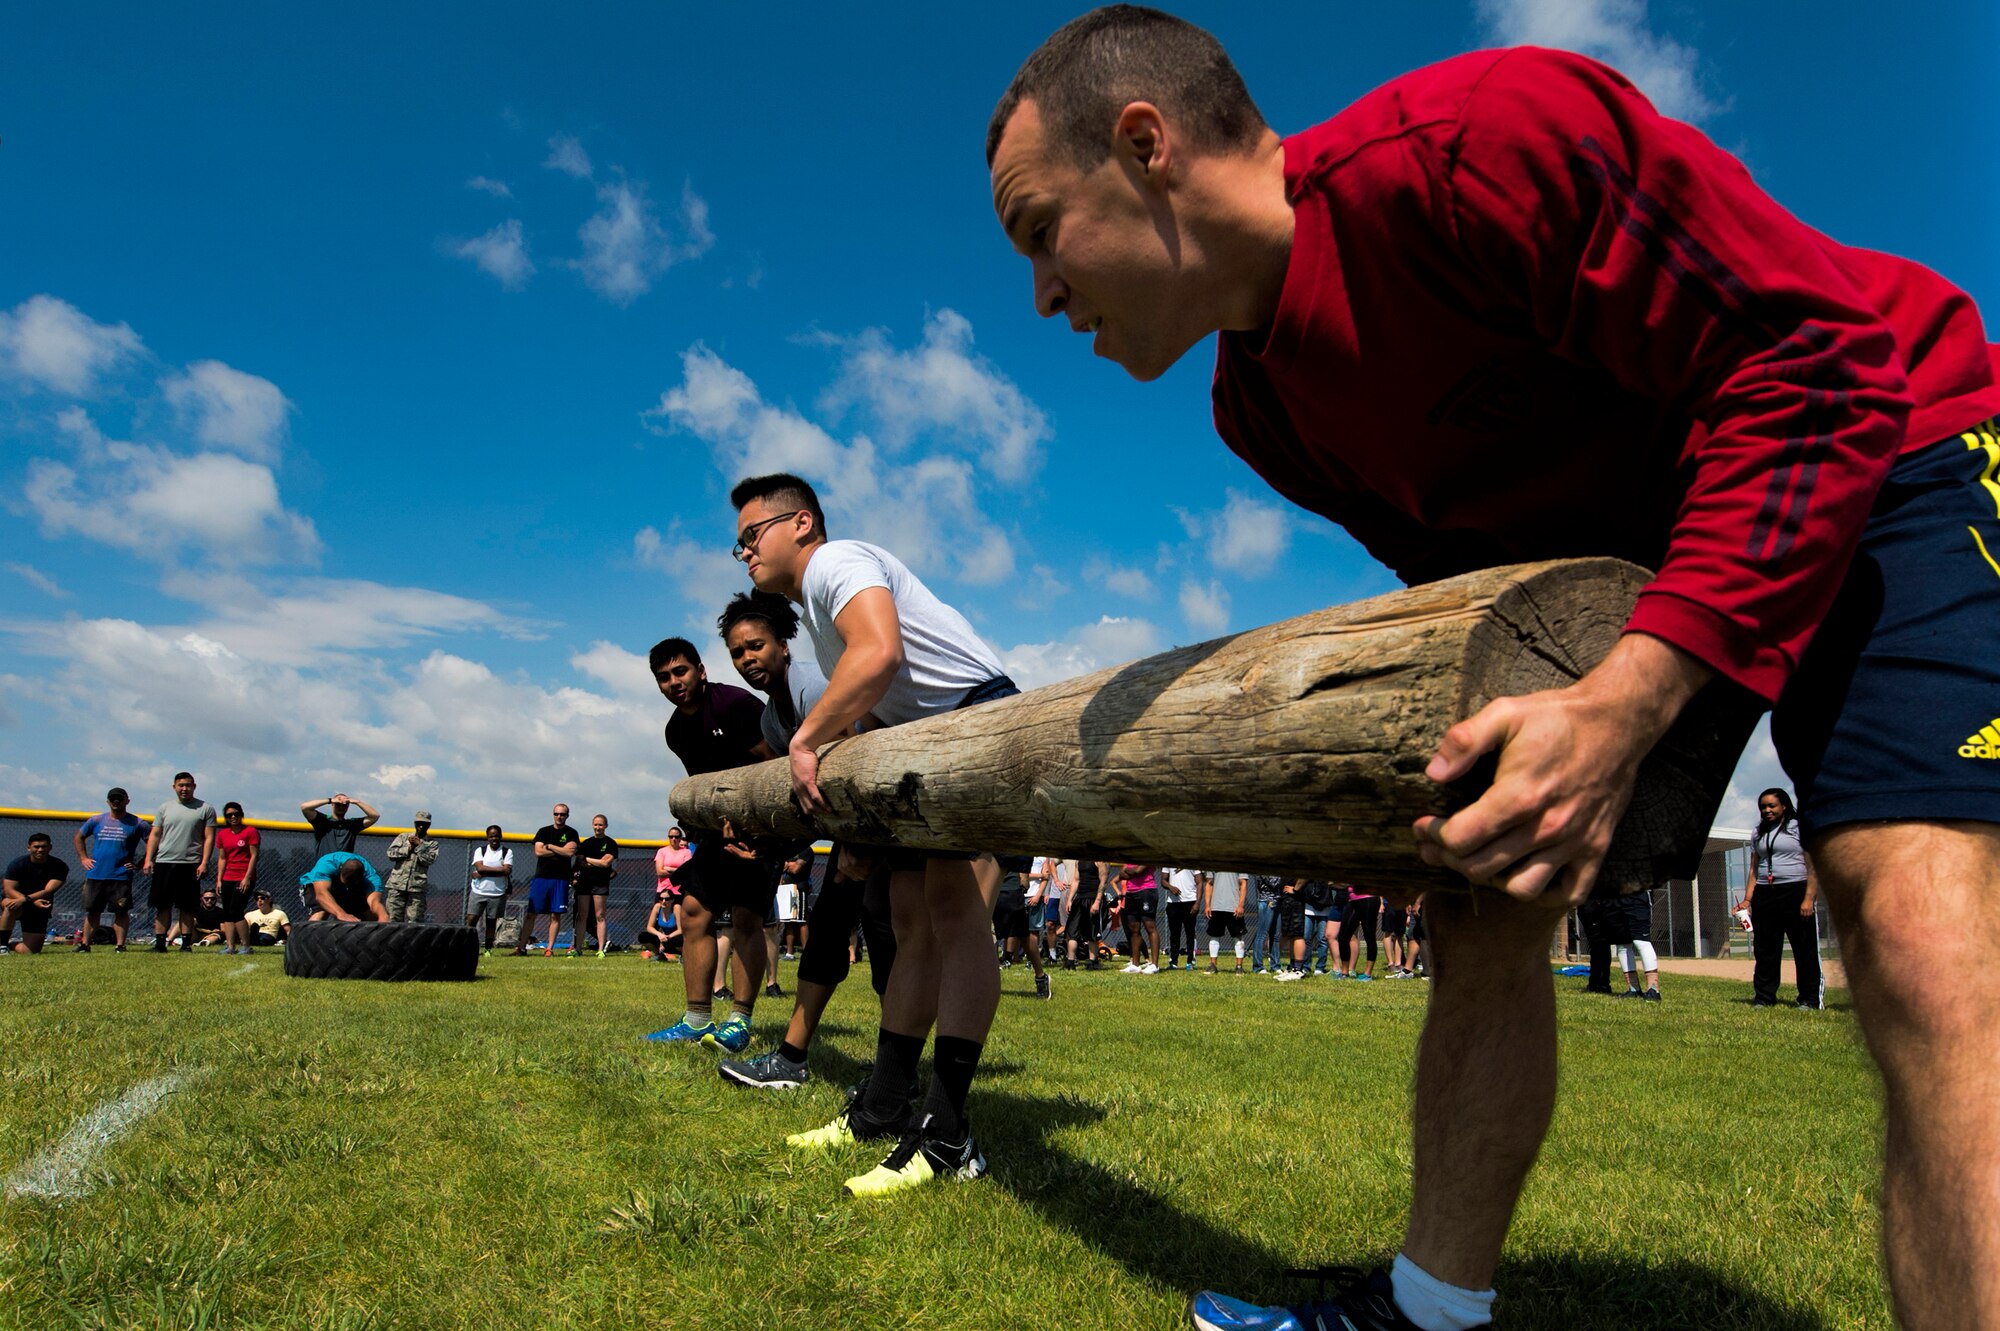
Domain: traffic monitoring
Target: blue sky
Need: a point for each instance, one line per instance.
(371, 381)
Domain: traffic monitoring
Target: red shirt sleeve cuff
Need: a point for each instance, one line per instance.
(1714, 639)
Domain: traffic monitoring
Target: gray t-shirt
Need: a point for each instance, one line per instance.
(943, 658)
(181, 827)
(1226, 895)
(1778, 856)
(803, 685)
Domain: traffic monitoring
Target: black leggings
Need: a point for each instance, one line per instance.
(842, 904)
(1775, 919)
(1180, 924)
(1359, 915)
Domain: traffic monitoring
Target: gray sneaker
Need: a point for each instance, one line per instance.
(772, 1072)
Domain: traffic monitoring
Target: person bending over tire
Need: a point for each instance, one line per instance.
(344, 887)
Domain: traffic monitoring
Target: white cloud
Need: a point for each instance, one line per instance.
(928, 510)
(501, 254)
(1248, 535)
(1111, 641)
(566, 155)
(37, 579)
(1756, 771)
(1614, 31)
(1205, 606)
(1118, 578)
(394, 776)
(230, 409)
(312, 619)
(485, 184)
(702, 571)
(939, 386)
(625, 247)
(52, 343)
(222, 508)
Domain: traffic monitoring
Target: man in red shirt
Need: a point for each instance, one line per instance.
(1499, 310)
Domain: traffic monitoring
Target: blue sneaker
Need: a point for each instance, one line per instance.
(1362, 975)
(733, 1034)
(681, 1033)
(1363, 1302)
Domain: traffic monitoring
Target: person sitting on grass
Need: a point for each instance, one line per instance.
(660, 937)
(344, 887)
(269, 926)
(28, 892)
(208, 920)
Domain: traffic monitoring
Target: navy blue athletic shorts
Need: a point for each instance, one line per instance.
(1895, 710)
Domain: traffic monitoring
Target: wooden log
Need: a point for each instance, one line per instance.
(1298, 747)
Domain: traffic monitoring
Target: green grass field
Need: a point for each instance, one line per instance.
(509, 1154)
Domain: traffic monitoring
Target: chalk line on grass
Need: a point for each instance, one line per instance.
(244, 969)
(64, 1170)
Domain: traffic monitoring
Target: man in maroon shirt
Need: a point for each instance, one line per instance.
(1501, 310)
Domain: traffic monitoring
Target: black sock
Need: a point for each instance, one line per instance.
(886, 1098)
(953, 1061)
(791, 1052)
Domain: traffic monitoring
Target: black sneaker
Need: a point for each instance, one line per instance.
(1042, 986)
(1651, 996)
(771, 1072)
(187, 944)
(1093, 965)
(772, 990)
(1363, 1301)
(159, 942)
(85, 947)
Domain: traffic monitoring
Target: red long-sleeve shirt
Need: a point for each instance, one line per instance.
(1527, 317)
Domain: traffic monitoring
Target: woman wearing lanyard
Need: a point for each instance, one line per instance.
(1779, 895)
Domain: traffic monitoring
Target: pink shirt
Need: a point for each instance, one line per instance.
(667, 859)
(1144, 882)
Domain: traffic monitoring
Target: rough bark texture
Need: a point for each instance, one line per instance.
(1296, 747)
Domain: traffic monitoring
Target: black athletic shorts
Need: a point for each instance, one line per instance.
(102, 894)
(33, 919)
(1142, 905)
(234, 901)
(1222, 922)
(904, 859)
(722, 882)
(1395, 920)
(1627, 919)
(1292, 915)
(175, 887)
(1010, 922)
(1894, 711)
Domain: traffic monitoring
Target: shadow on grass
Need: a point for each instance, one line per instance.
(1158, 1242)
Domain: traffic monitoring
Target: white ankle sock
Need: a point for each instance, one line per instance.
(1434, 1305)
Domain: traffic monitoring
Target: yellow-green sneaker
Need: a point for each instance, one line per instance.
(918, 1158)
(850, 1125)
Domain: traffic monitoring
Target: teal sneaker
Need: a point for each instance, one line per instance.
(682, 1033)
(733, 1034)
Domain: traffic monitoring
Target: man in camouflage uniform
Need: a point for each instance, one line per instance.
(411, 855)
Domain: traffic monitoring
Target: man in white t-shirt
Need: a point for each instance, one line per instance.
(492, 875)
(893, 652)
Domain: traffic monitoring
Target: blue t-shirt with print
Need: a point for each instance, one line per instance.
(115, 840)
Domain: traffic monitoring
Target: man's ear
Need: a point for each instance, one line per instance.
(1140, 139)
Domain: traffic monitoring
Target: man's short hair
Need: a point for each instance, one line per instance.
(1092, 67)
(773, 609)
(349, 869)
(42, 837)
(780, 490)
(183, 776)
(116, 793)
(492, 828)
(670, 649)
(263, 894)
(231, 807)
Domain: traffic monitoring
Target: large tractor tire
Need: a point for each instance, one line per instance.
(372, 950)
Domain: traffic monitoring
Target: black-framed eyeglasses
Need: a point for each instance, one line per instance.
(746, 540)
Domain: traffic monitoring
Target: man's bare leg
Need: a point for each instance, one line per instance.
(962, 930)
(1486, 1079)
(1928, 1001)
(697, 953)
(747, 947)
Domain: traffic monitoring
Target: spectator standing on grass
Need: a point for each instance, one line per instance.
(1268, 928)
(1360, 915)
(411, 855)
(1012, 923)
(1781, 892)
(1630, 919)
(28, 893)
(548, 890)
(1080, 923)
(237, 848)
(1222, 902)
(177, 853)
(492, 877)
(344, 887)
(269, 926)
(1140, 897)
(107, 846)
(1182, 889)
(1395, 926)
(338, 829)
(596, 862)
(1293, 913)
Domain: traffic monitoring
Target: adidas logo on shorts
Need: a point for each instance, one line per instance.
(1986, 744)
